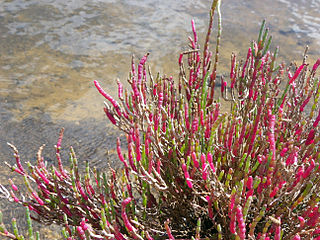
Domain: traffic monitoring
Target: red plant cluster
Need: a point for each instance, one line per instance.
(191, 171)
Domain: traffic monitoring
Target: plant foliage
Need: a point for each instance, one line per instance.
(191, 171)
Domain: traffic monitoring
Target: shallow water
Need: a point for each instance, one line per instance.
(51, 50)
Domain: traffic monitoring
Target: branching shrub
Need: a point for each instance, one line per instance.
(191, 171)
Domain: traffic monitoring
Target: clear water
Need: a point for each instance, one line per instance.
(51, 50)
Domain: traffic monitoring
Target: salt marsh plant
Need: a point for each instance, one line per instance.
(191, 171)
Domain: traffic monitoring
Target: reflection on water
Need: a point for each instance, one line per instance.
(308, 13)
(51, 50)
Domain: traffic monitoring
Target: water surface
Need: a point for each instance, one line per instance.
(51, 50)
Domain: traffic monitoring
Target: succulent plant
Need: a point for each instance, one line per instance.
(191, 171)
